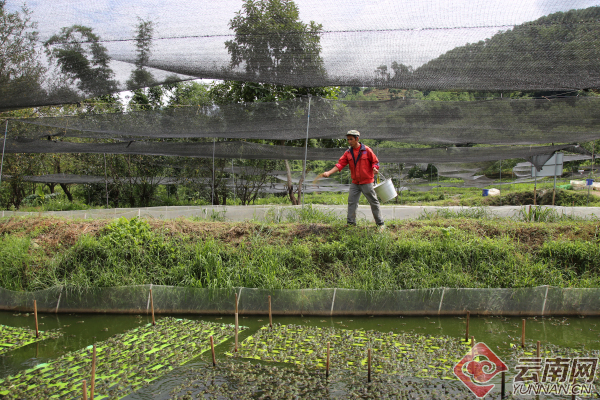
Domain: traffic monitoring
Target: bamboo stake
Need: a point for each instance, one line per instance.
(472, 341)
(369, 365)
(467, 333)
(270, 315)
(236, 323)
(37, 332)
(152, 307)
(84, 390)
(538, 349)
(212, 349)
(327, 363)
(93, 383)
(523, 335)
(503, 386)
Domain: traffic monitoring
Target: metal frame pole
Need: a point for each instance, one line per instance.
(233, 175)
(212, 200)
(3, 147)
(106, 180)
(501, 183)
(305, 152)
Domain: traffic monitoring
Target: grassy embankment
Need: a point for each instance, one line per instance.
(37, 253)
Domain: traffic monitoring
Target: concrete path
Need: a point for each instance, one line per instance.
(285, 213)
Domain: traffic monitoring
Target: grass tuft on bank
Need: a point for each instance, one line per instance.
(38, 253)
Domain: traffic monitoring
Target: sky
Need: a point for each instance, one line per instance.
(359, 35)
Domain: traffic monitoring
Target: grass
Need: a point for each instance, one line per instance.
(512, 194)
(38, 253)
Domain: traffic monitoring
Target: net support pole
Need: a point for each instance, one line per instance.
(554, 189)
(400, 179)
(305, 152)
(3, 147)
(213, 174)
(500, 181)
(233, 175)
(106, 180)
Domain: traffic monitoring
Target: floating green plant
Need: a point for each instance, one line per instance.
(12, 337)
(551, 353)
(245, 381)
(407, 354)
(124, 362)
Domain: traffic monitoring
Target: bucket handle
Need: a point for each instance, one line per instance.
(380, 174)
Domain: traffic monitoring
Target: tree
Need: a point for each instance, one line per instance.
(272, 45)
(189, 94)
(83, 60)
(140, 77)
(21, 72)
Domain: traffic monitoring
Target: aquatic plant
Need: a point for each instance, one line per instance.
(125, 362)
(12, 337)
(407, 354)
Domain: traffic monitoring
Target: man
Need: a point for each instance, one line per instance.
(363, 167)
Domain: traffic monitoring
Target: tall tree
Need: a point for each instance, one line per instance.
(141, 77)
(21, 72)
(272, 45)
(272, 42)
(83, 59)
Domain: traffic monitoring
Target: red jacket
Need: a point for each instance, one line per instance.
(361, 161)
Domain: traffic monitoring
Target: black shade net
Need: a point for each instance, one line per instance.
(560, 120)
(247, 150)
(473, 45)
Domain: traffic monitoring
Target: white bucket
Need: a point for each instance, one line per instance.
(385, 190)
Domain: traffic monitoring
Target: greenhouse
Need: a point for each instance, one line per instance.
(177, 222)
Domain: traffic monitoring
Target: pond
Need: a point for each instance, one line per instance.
(498, 333)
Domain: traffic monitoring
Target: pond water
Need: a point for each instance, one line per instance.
(81, 330)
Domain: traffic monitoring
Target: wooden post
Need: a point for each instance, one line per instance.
(503, 386)
(236, 324)
(84, 390)
(472, 341)
(212, 349)
(152, 307)
(327, 362)
(270, 315)
(467, 333)
(37, 332)
(93, 383)
(369, 365)
(538, 349)
(523, 335)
